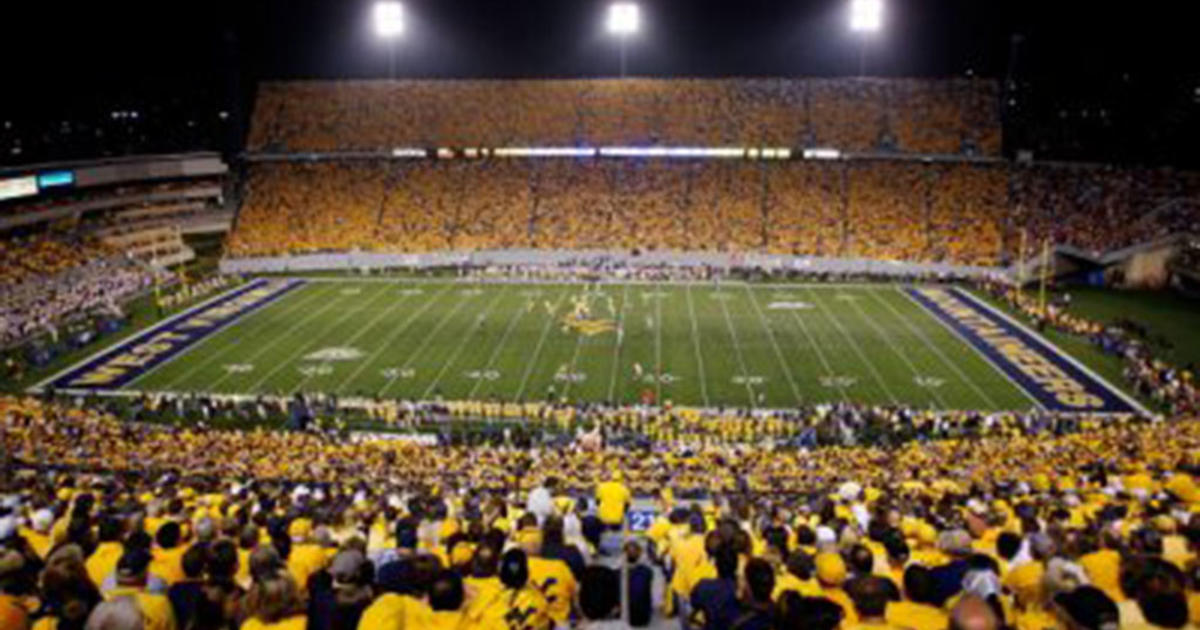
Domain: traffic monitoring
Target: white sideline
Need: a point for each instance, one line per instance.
(362, 403)
(478, 282)
(1055, 349)
(133, 338)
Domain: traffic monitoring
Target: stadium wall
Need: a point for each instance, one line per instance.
(802, 264)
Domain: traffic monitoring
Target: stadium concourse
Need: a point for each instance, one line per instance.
(1031, 492)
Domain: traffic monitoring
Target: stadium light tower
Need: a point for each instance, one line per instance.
(624, 19)
(866, 18)
(388, 16)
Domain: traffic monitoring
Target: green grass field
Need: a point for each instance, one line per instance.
(734, 345)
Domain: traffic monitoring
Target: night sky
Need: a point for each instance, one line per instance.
(1139, 62)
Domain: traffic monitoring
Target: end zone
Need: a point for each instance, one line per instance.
(1055, 380)
(118, 365)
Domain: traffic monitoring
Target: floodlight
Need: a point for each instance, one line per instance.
(623, 18)
(866, 15)
(389, 18)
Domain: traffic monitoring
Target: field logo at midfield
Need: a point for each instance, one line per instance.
(336, 354)
(1052, 379)
(121, 364)
(581, 319)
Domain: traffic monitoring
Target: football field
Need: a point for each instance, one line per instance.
(708, 345)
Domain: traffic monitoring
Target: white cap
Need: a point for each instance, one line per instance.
(42, 520)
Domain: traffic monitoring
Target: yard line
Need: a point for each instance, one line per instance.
(499, 346)
(737, 347)
(854, 344)
(936, 350)
(537, 350)
(227, 347)
(424, 344)
(820, 354)
(892, 345)
(979, 352)
(658, 298)
(696, 344)
(778, 352)
(274, 342)
(466, 336)
(304, 347)
(387, 341)
(612, 382)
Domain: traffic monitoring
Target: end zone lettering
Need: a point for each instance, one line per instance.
(120, 365)
(1050, 378)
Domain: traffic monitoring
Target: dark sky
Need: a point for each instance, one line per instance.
(72, 55)
(51, 42)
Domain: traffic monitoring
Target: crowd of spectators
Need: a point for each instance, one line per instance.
(1101, 208)
(887, 211)
(49, 278)
(110, 524)
(905, 115)
(882, 210)
(891, 210)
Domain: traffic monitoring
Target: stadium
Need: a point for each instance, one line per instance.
(543, 340)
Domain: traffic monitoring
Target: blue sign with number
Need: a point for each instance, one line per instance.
(640, 520)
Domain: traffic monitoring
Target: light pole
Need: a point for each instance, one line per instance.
(388, 17)
(624, 19)
(866, 17)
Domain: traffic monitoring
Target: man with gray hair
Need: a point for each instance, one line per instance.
(205, 530)
(121, 613)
